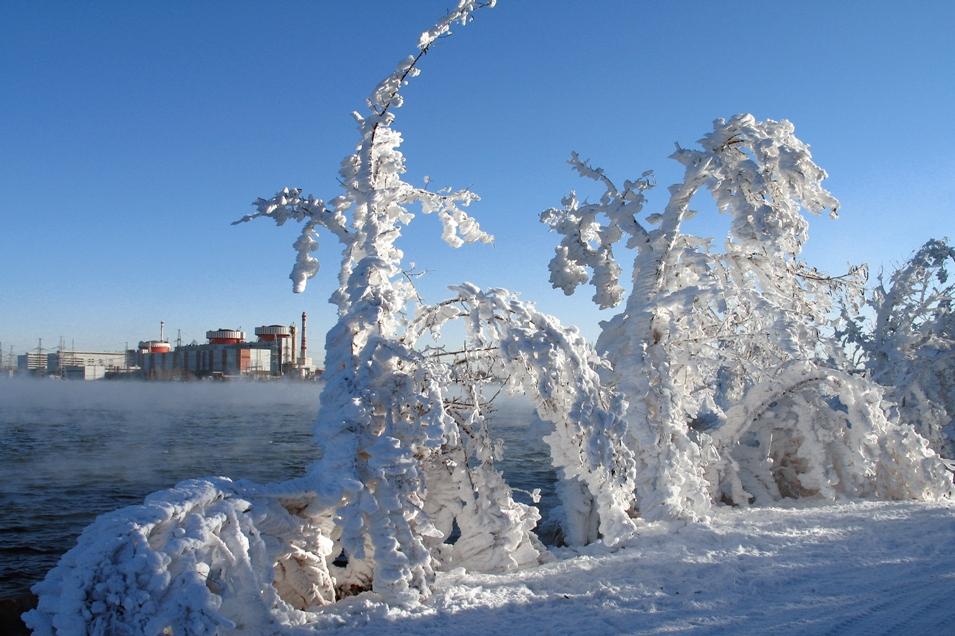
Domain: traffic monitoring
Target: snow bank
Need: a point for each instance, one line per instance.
(802, 569)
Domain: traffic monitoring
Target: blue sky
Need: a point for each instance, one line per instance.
(132, 134)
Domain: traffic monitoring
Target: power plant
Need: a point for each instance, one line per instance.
(226, 354)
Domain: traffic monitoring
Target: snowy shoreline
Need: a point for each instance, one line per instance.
(859, 567)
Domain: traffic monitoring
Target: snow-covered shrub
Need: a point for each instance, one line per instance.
(206, 556)
(809, 431)
(910, 346)
(468, 494)
(705, 330)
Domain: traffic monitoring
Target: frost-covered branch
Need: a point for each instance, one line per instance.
(289, 204)
(763, 176)
(587, 242)
(557, 369)
(371, 176)
(459, 228)
(910, 346)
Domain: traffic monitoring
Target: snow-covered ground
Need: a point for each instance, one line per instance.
(855, 568)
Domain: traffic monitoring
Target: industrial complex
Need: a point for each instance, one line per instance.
(278, 351)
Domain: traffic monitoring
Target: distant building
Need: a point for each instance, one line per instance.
(85, 365)
(32, 362)
(72, 365)
(226, 354)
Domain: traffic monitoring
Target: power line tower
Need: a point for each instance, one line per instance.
(60, 352)
(34, 359)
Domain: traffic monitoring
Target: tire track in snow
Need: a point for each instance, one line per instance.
(922, 610)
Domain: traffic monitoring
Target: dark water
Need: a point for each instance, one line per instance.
(72, 450)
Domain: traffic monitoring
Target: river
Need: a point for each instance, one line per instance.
(70, 451)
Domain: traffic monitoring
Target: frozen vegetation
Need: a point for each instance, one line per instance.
(715, 444)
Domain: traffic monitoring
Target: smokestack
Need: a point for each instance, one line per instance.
(304, 355)
(292, 348)
(162, 330)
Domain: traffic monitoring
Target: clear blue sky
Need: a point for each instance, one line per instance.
(132, 133)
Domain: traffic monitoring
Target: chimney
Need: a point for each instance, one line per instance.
(304, 355)
(162, 330)
(292, 348)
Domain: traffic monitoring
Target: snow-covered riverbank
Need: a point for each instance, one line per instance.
(856, 568)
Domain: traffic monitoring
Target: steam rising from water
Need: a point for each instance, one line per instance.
(72, 450)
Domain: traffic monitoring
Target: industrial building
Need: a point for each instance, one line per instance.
(85, 365)
(227, 354)
(73, 365)
(32, 362)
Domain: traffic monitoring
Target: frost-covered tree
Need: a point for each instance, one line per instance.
(382, 409)
(910, 345)
(670, 480)
(406, 458)
(703, 330)
(382, 413)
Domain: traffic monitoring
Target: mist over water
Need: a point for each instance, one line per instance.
(70, 451)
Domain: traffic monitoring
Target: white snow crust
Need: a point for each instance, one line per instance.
(848, 568)
(853, 567)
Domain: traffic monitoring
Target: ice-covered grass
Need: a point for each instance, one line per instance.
(851, 568)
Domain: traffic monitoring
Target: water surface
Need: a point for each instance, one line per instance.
(70, 451)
